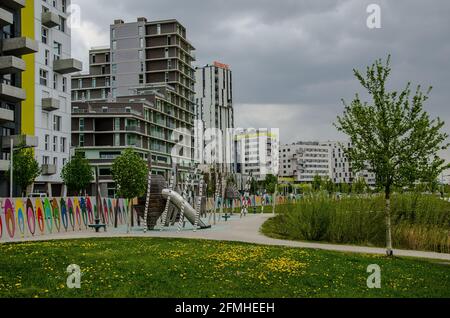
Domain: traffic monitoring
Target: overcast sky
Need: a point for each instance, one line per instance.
(292, 60)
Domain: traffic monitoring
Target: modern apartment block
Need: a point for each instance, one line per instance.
(17, 48)
(96, 85)
(342, 171)
(148, 62)
(304, 160)
(46, 112)
(214, 109)
(145, 53)
(102, 130)
(257, 151)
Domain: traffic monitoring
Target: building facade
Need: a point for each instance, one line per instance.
(257, 152)
(17, 48)
(214, 109)
(48, 105)
(342, 171)
(302, 161)
(102, 130)
(96, 84)
(151, 62)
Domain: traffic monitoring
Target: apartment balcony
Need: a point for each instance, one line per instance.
(50, 104)
(12, 94)
(133, 128)
(14, 4)
(48, 170)
(49, 19)
(6, 115)
(6, 17)
(19, 141)
(11, 65)
(67, 66)
(5, 165)
(19, 46)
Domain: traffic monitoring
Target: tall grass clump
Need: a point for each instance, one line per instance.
(420, 222)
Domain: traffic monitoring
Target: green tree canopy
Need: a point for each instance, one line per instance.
(130, 174)
(270, 183)
(26, 168)
(77, 174)
(393, 134)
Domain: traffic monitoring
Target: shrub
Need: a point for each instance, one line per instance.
(420, 222)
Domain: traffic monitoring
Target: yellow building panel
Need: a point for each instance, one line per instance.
(28, 77)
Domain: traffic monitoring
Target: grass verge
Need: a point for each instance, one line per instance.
(154, 267)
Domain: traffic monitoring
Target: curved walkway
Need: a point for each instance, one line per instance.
(239, 230)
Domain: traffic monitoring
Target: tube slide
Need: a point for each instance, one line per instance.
(189, 211)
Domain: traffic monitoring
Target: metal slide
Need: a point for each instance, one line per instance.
(189, 211)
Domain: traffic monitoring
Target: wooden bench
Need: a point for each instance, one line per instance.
(97, 226)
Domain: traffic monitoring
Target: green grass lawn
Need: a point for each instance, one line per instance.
(150, 267)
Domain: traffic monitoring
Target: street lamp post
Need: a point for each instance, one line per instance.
(11, 170)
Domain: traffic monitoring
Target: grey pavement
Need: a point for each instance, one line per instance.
(246, 229)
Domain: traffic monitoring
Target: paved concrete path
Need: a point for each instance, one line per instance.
(240, 230)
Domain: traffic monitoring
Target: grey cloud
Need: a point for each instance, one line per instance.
(297, 56)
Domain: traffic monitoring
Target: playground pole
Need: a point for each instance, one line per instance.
(275, 195)
(147, 200)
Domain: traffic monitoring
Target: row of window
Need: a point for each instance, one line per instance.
(58, 4)
(59, 82)
(62, 144)
(94, 83)
(46, 161)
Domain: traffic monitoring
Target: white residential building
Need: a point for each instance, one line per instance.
(214, 108)
(342, 171)
(257, 152)
(304, 160)
(51, 116)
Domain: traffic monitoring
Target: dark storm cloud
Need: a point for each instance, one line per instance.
(297, 56)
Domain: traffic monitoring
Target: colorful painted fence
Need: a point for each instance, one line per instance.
(28, 217)
(256, 201)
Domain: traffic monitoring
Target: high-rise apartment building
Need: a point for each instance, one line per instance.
(17, 46)
(214, 109)
(147, 62)
(46, 112)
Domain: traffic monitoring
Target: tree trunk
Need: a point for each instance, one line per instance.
(389, 251)
(132, 216)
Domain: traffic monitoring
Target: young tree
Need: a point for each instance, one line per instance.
(393, 134)
(130, 173)
(270, 183)
(25, 167)
(77, 174)
(253, 186)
